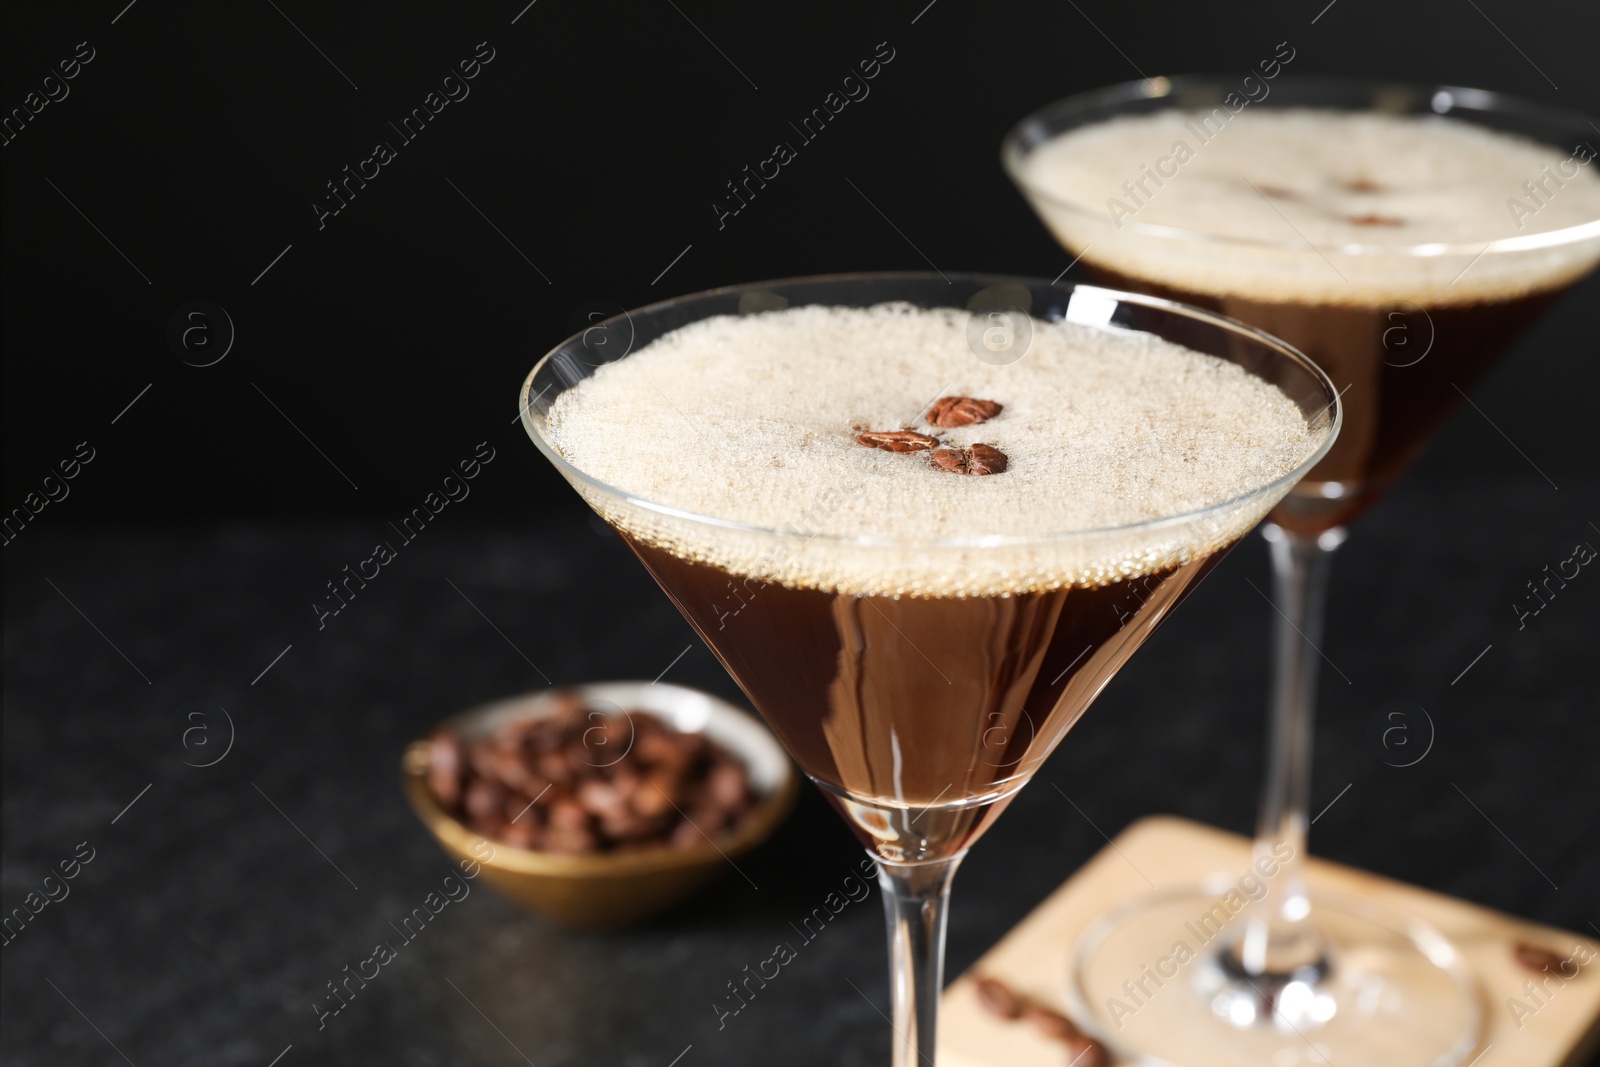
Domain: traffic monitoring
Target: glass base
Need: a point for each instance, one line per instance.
(1151, 981)
(910, 833)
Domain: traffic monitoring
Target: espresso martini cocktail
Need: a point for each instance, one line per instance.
(921, 556)
(1402, 237)
(1402, 253)
(919, 691)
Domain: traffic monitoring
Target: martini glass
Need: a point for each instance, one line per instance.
(919, 715)
(1404, 331)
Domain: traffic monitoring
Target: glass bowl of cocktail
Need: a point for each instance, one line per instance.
(1403, 237)
(922, 520)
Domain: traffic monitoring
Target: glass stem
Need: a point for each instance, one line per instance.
(916, 902)
(1279, 937)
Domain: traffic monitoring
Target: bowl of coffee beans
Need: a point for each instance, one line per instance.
(600, 804)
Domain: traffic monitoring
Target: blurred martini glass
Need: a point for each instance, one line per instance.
(1403, 237)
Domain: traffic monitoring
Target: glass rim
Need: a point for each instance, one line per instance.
(1013, 150)
(983, 542)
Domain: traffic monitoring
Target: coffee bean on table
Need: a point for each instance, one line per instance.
(1051, 1023)
(1536, 959)
(998, 998)
(1001, 1000)
(1085, 1052)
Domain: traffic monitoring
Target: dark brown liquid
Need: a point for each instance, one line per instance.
(1401, 370)
(919, 716)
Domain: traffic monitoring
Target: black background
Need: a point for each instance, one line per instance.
(396, 336)
(395, 339)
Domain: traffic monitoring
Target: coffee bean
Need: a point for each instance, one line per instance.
(726, 786)
(507, 766)
(1538, 960)
(522, 833)
(481, 758)
(492, 826)
(1049, 1022)
(602, 799)
(656, 795)
(626, 826)
(554, 766)
(660, 750)
(709, 816)
(567, 814)
(625, 779)
(444, 767)
(571, 839)
(484, 797)
(1085, 1052)
(998, 999)
(517, 810)
(897, 440)
(961, 411)
(977, 460)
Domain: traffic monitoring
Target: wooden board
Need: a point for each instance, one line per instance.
(1033, 958)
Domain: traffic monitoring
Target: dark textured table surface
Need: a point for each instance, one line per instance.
(218, 905)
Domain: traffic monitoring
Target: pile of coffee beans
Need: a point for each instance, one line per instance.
(589, 779)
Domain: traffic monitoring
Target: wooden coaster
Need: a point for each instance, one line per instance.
(1033, 959)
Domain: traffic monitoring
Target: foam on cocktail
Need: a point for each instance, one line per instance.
(1280, 186)
(753, 420)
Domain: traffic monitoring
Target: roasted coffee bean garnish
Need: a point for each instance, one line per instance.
(951, 411)
(897, 440)
(1538, 960)
(985, 459)
(1001, 1000)
(947, 411)
(1375, 220)
(583, 780)
(976, 459)
(1362, 185)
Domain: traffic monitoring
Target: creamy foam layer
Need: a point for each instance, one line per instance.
(1325, 177)
(754, 419)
